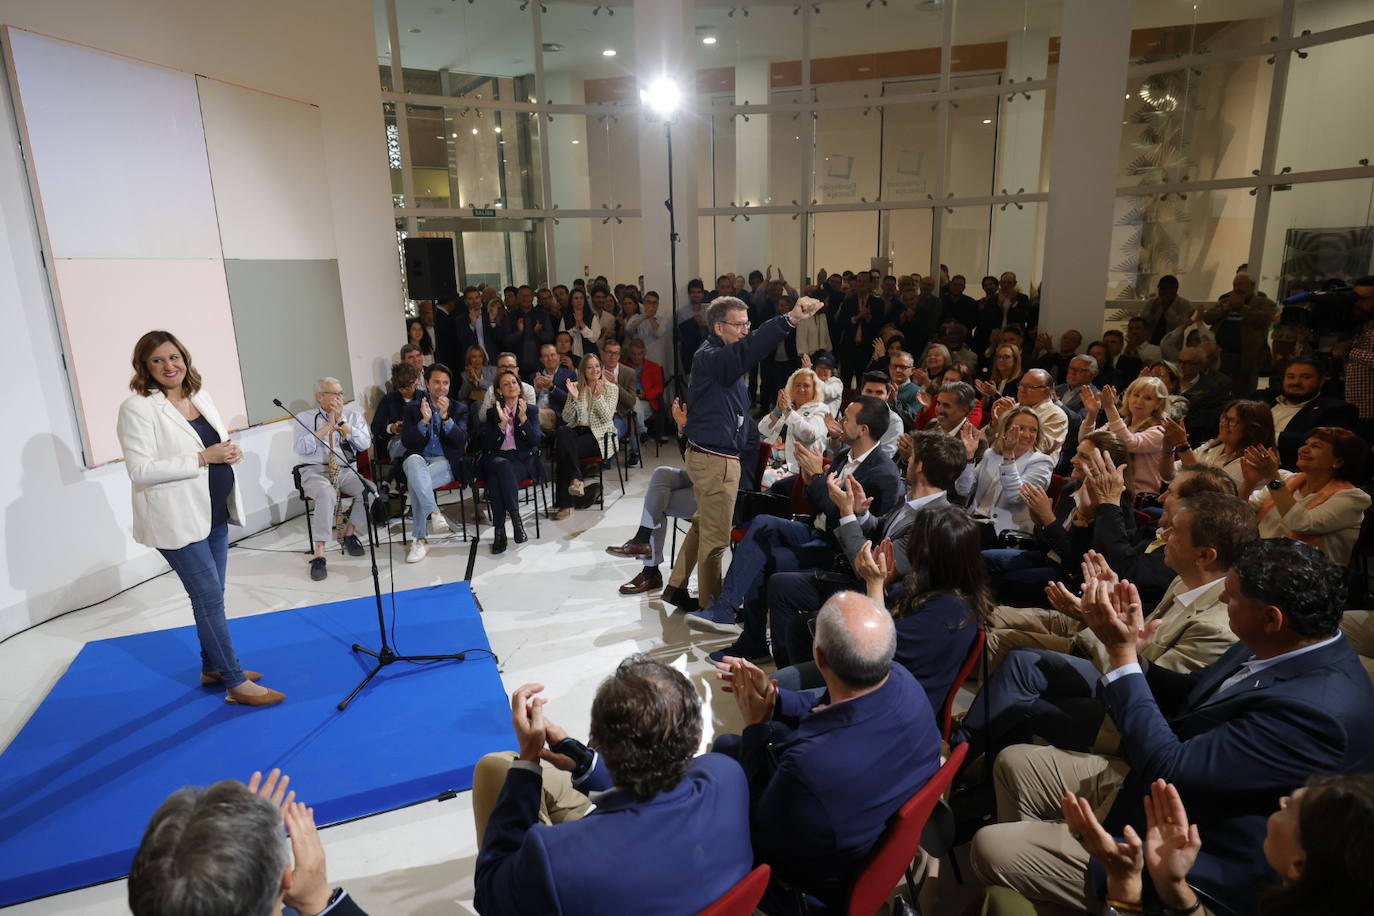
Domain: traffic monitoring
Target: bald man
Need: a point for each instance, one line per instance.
(826, 774)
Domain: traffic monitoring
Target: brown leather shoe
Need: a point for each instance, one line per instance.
(630, 549)
(649, 578)
(214, 678)
(270, 698)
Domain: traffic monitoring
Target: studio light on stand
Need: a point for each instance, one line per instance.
(662, 97)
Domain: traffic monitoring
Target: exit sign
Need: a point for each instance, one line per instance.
(480, 212)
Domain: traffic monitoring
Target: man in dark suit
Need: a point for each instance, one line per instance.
(775, 544)
(670, 832)
(826, 776)
(475, 329)
(221, 850)
(528, 328)
(1207, 390)
(448, 347)
(1080, 371)
(955, 305)
(1301, 408)
(1290, 699)
(434, 432)
(860, 318)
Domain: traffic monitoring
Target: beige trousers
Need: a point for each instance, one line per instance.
(561, 802)
(1030, 850)
(1040, 628)
(716, 483)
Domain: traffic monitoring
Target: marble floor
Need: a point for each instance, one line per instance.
(552, 614)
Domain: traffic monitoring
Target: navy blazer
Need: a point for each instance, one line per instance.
(675, 853)
(468, 337)
(933, 641)
(558, 394)
(824, 787)
(1323, 410)
(877, 475)
(452, 441)
(1234, 756)
(527, 437)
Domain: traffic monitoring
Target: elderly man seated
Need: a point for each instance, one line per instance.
(222, 850)
(814, 822)
(327, 476)
(670, 833)
(1036, 391)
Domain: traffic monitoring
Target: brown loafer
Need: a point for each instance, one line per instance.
(630, 549)
(270, 698)
(649, 578)
(214, 678)
(560, 514)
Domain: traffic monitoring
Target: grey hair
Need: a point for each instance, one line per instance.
(214, 852)
(961, 390)
(720, 307)
(1090, 360)
(326, 380)
(907, 355)
(851, 660)
(1044, 376)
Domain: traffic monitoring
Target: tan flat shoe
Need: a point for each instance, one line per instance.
(565, 512)
(270, 698)
(214, 678)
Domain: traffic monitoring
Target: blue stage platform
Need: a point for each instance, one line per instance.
(125, 726)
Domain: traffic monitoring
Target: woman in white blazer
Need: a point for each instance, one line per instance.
(1014, 458)
(180, 460)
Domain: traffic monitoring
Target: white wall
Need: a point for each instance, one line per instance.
(66, 528)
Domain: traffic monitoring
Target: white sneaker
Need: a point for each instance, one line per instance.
(438, 523)
(418, 549)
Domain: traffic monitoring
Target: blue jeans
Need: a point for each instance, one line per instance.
(422, 476)
(771, 545)
(200, 566)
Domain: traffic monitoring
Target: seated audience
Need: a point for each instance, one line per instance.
(1035, 392)
(1243, 424)
(1207, 390)
(648, 387)
(1168, 373)
(1166, 310)
(775, 544)
(877, 386)
(550, 386)
(331, 425)
(626, 385)
(670, 833)
(1320, 503)
(1056, 362)
(832, 389)
(900, 368)
(505, 362)
(411, 356)
(1288, 701)
(1316, 843)
(587, 414)
(1141, 430)
(1301, 407)
(1137, 352)
(386, 421)
(813, 822)
(477, 376)
(993, 484)
(434, 432)
(222, 850)
(954, 404)
(418, 335)
(1106, 374)
(1003, 375)
(797, 419)
(648, 327)
(669, 494)
(509, 441)
(938, 603)
(1078, 377)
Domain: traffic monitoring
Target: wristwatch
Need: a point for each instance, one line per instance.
(1275, 484)
(581, 755)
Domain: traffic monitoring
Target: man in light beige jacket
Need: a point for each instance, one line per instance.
(1039, 692)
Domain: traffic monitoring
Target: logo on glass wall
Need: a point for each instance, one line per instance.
(909, 161)
(839, 167)
(906, 181)
(839, 185)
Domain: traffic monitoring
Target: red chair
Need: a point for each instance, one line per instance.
(530, 489)
(744, 897)
(975, 652)
(896, 851)
(1055, 489)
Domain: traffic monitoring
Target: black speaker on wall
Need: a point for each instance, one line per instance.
(430, 271)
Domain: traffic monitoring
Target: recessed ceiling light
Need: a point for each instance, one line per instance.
(987, 120)
(474, 130)
(455, 135)
(709, 40)
(575, 142)
(609, 52)
(497, 128)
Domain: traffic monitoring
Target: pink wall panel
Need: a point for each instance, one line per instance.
(107, 305)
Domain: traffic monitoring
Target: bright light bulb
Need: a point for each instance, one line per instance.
(661, 95)
(709, 40)
(575, 142)
(609, 52)
(987, 120)
(474, 131)
(497, 128)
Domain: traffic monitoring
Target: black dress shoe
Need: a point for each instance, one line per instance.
(353, 546)
(498, 541)
(317, 570)
(680, 598)
(517, 528)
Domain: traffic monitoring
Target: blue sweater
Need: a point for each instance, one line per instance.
(718, 398)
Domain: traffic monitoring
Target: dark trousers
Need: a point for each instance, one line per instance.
(570, 445)
(1036, 692)
(503, 470)
(793, 600)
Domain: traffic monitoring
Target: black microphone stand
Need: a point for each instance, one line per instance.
(385, 655)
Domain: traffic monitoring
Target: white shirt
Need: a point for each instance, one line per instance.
(1253, 666)
(1284, 411)
(852, 464)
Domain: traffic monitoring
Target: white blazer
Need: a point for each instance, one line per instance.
(1000, 483)
(171, 491)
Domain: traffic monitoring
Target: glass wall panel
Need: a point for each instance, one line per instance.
(459, 49)
(1331, 82)
(747, 52)
(492, 251)
(964, 237)
(616, 249)
(842, 241)
(1161, 31)
(867, 39)
(740, 245)
(908, 241)
(1321, 15)
(1200, 237)
(1317, 232)
(589, 53)
(1195, 123)
(463, 157)
(910, 140)
(848, 150)
(1019, 37)
(1018, 243)
(976, 130)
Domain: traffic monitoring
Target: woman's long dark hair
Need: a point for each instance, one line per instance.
(945, 547)
(425, 346)
(1334, 826)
